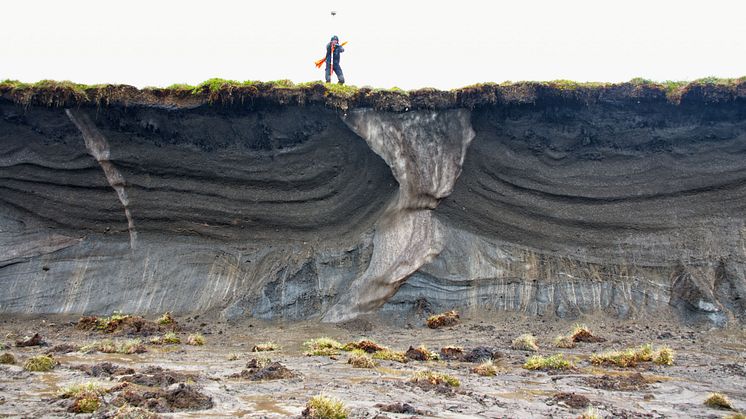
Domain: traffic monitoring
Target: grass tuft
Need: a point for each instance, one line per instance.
(718, 401)
(266, 347)
(389, 355)
(562, 341)
(323, 407)
(434, 378)
(485, 369)
(322, 347)
(166, 319)
(195, 340)
(525, 342)
(7, 358)
(449, 318)
(630, 357)
(39, 363)
(171, 338)
(360, 359)
(664, 356)
(554, 362)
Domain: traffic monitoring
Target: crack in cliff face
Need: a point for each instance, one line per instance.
(98, 148)
(425, 151)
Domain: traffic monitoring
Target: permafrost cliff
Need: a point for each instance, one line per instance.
(292, 204)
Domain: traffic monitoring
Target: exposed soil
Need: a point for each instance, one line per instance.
(194, 380)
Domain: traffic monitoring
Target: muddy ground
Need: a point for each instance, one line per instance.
(707, 360)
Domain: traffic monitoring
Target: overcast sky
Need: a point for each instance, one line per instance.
(404, 43)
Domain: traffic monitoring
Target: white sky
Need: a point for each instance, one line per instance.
(404, 43)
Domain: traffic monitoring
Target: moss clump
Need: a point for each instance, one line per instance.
(171, 338)
(389, 355)
(265, 347)
(7, 358)
(322, 347)
(525, 342)
(449, 318)
(718, 401)
(195, 340)
(485, 369)
(434, 378)
(39, 363)
(360, 359)
(554, 362)
(323, 407)
(564, 342)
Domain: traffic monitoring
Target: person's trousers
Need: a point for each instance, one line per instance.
(337, 71)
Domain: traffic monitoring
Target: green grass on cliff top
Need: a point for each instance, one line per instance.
(216, 84)
(214, 87)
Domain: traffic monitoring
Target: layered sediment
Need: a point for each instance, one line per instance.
(295, 204)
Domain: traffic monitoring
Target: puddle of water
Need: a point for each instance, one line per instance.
(267, 404)
(525, 394)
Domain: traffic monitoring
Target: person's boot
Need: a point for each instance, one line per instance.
(341, 82)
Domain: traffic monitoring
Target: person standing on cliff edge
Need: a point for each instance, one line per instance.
(333, 50)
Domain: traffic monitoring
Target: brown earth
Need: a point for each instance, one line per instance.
(193, 380)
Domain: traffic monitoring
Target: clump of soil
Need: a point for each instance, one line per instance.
(272, 371)
(177, 397)
(35, 340)
(449, 318)
(364, 345)
(400, 408)
(63, 349)
(124, 324)
(418, 354)
(104, 369)
(575, 401)
(631, 382)
(451, 353)
(583, 334)
(156, 377)
(480, 354)
(431, 380)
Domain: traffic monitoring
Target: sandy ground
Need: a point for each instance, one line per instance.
(707, 360)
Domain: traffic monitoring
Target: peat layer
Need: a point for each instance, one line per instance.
(307, 202)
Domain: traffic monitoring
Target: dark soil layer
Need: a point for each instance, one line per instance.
(280, 201)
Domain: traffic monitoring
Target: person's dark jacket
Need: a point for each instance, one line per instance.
(337, 50)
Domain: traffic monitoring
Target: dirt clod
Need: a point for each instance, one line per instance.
(632, 382)
(573, 400)
(35, 340)
(400, 408)
(177, 397)
(272, 371)
(104, 369)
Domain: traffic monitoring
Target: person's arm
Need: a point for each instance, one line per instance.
(339, 48)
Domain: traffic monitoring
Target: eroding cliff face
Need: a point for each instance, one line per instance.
(620, 208)
(425, 151)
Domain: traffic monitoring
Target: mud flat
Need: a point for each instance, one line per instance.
(214, 380)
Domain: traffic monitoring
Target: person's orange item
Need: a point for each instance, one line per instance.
(320, 62)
